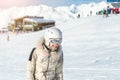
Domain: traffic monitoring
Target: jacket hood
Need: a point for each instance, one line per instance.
(41, 46)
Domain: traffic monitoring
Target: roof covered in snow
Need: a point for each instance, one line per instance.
(38, 20)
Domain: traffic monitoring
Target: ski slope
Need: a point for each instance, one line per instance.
(91, 50)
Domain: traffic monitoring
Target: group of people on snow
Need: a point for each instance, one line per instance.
(108, 10)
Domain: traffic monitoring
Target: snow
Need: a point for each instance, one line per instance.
(90, 44)
(38, 20)
(91, 50)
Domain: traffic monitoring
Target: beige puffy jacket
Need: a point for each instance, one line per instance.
(45, 65)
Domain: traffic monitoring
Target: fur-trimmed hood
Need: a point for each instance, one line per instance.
(41, 46)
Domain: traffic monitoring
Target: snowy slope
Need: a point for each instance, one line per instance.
(91, 50)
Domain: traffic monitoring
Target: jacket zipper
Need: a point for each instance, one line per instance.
(47, 66)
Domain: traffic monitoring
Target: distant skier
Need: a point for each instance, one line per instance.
(78, 16)
(46, 60)
(90, 13)
(108, 10)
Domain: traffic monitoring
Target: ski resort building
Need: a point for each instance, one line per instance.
(30, 23)
(115, 3)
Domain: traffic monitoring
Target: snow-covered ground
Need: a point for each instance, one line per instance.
(91, 48)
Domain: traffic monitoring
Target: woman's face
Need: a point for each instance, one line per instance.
(53, 46)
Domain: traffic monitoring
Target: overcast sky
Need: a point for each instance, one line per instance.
(53, 3)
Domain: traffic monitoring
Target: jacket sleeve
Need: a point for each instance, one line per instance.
(31, 64)
(59, 69)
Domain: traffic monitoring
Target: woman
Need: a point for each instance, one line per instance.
(46, 61)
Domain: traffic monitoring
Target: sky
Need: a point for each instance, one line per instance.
(52, 3)
(12, 3)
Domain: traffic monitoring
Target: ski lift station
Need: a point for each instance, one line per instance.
(30, 23)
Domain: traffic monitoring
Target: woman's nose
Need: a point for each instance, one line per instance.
(55, 45)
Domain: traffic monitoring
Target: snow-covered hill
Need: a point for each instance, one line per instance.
(59, 14)
(91, 50)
